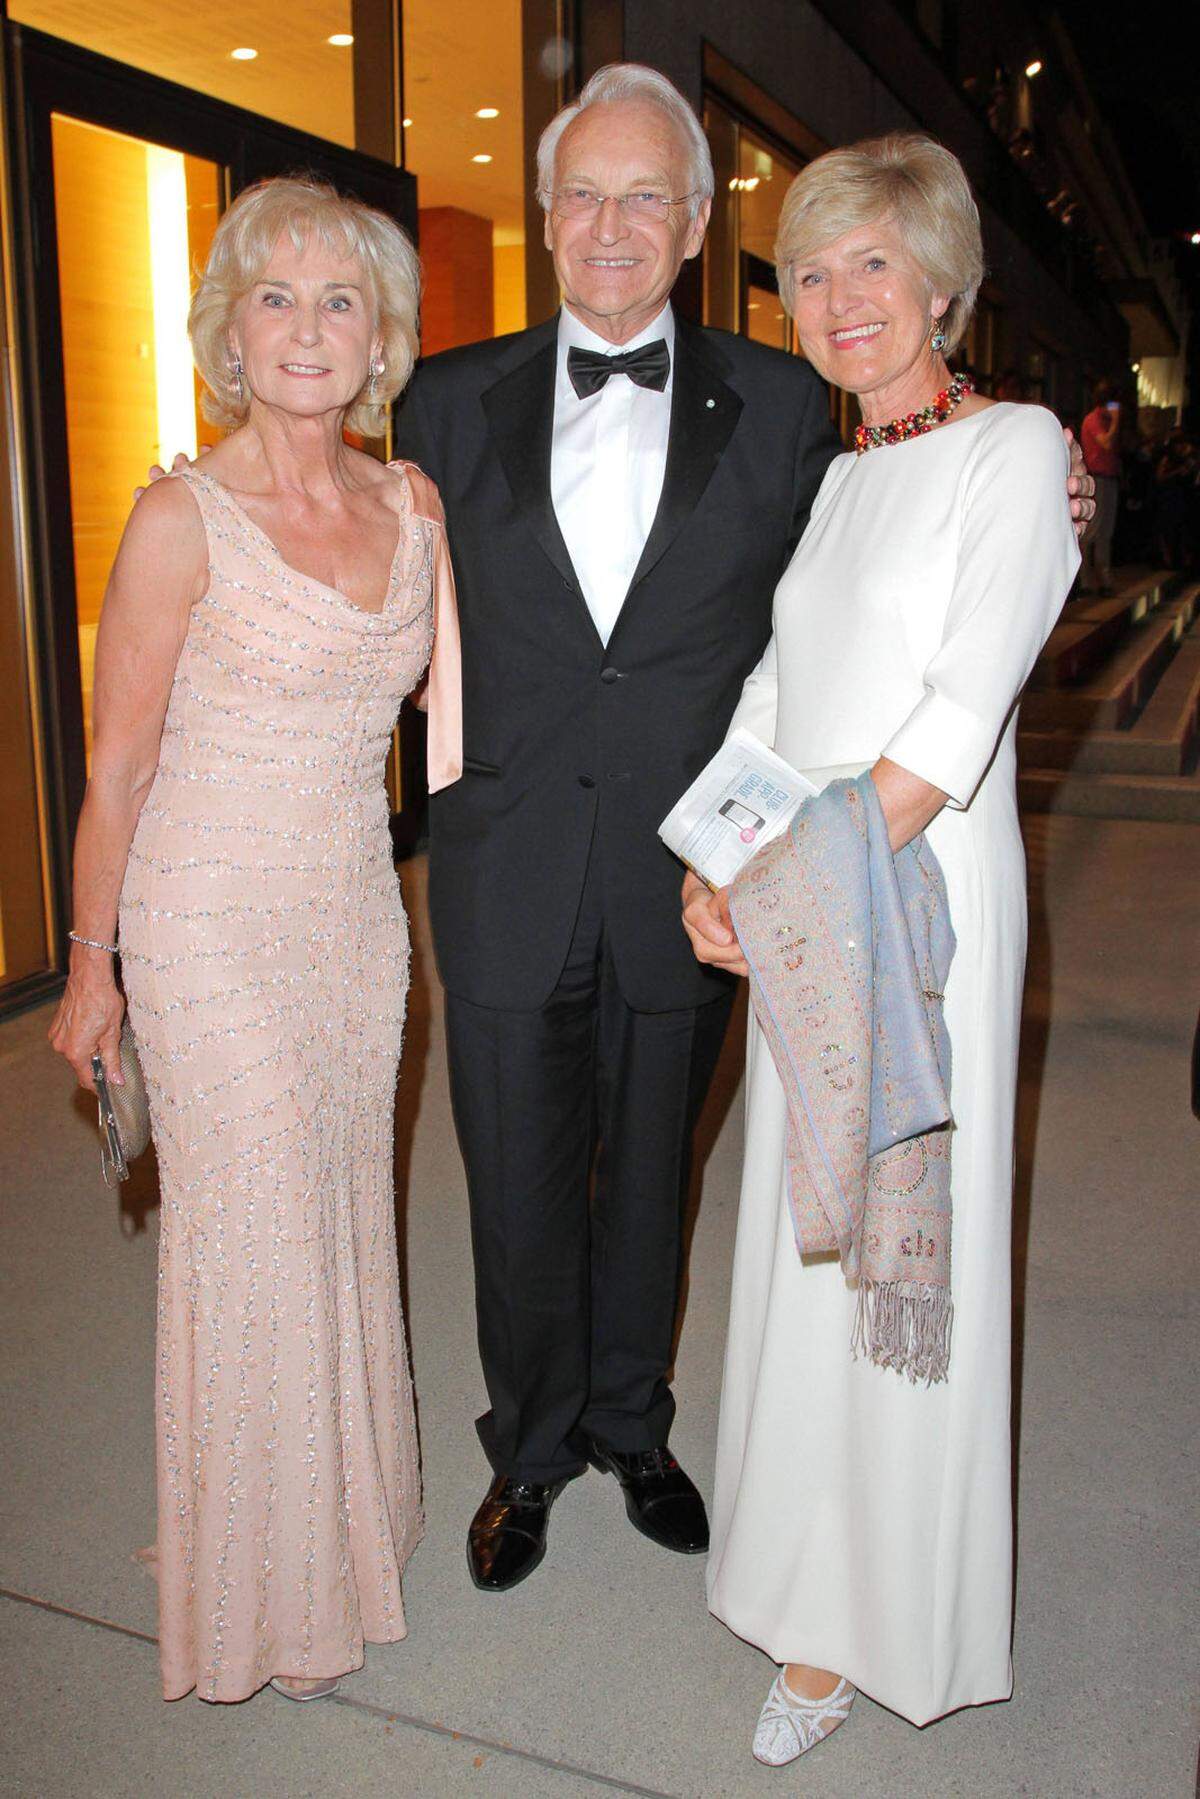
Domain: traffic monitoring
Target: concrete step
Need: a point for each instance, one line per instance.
(1090, 627)
(1112, 698)
(1162, 741)
(1165, 798)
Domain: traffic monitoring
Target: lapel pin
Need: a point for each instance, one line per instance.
(710, 402)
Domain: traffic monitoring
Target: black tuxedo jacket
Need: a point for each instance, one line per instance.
(565, 740)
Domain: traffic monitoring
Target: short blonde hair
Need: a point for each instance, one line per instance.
(302, 206)
(905, 177)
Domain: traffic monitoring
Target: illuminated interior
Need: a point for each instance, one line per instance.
(460, 62)
(133, 221)
(295, 75)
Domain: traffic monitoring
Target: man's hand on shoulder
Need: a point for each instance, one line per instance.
(1081, 489)
(157, 471)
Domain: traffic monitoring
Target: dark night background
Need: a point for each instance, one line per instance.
(1143, 67)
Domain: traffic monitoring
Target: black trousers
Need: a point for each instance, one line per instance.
(577, 1281)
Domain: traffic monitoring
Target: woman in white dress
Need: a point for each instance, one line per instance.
(862, 1530)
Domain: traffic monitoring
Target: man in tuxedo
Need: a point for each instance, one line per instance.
(622, 491)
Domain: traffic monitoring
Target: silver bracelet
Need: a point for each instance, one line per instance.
(91, 943)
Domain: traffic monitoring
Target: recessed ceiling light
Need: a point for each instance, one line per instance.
(243, 54)
(481, 158)
(406, 123)
(1033, 68)
(343, 39)
(1196, 237)
(488, 112)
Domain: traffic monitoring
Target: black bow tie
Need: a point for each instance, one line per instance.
(648, 365)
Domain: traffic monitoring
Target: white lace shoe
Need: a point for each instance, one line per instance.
(789, 1726)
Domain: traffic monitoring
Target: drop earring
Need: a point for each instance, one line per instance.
(937, 342)
(373, 383)
(237, 383)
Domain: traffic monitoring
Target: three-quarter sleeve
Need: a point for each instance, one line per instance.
(1017, 558)
(758, 707)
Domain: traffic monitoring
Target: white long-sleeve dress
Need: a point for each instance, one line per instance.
(861, 1523)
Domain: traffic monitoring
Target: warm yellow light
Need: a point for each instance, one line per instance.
(1135, 366)
(406, 123)
(481, 158)
(488, 112)
(170, 289)
(343, 39)
(1033, 68)
(244, 54)
(1196, 237)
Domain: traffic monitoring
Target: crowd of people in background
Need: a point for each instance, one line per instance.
(1154, 498)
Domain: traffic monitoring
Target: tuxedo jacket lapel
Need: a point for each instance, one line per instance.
(520, 415)
(704, 411)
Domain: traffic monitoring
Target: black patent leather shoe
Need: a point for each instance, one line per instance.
(661, 1501)
(507, 1538)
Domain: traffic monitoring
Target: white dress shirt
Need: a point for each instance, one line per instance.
(608, 457)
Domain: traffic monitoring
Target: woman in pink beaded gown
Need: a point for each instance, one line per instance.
(265, 618)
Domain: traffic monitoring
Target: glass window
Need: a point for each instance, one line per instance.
(292, 63)
(463, 140)
(134, 220)
(24, 940)
(752, 177)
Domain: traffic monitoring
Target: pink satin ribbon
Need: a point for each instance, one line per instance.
(444, 748)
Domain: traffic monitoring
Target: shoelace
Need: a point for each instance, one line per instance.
(649, 1461)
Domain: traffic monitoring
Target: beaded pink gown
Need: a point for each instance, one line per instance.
(265, 956)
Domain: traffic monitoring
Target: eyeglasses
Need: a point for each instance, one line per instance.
(584, 202)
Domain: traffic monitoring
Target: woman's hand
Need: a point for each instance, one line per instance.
(908, 803)
(707, 921)
(89, 1019)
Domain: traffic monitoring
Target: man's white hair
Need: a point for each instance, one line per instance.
(631, 81)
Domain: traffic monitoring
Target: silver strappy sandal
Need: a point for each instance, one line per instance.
(789, 1726)
(320, 1689)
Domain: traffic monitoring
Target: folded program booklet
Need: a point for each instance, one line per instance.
(745, 796)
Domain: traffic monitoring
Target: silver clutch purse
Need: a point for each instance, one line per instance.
(124, 1111)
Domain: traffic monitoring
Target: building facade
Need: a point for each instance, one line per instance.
(126, 129)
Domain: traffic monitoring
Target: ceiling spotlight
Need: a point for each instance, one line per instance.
(481, 158)
(1135, 366)
(1196, 237)
(244, 54)
(342, 39)
(488, 112)
(406, 123)
(1033, 68)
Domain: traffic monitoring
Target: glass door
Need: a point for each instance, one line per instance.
(134, 219)
(121, 179)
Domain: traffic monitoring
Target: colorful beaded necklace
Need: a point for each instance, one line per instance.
(898, 431)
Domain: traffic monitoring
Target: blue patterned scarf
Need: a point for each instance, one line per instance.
(849, 948)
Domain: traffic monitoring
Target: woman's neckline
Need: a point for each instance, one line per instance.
(951, 424)
(301, 574)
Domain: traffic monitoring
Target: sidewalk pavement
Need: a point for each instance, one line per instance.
(603, 1672)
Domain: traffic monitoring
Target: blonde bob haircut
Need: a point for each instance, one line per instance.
(305, 207)
(905, 177)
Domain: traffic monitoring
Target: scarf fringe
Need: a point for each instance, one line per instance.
(906, 1326)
